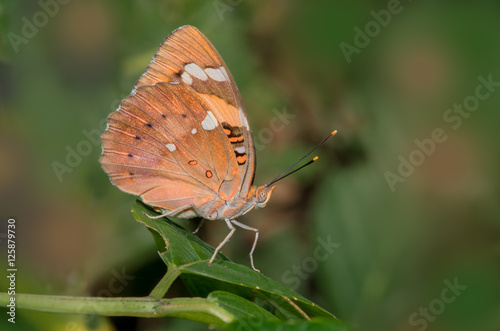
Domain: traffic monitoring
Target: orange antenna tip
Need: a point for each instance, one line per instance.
(287, 173)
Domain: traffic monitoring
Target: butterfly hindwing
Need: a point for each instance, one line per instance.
(156, 139)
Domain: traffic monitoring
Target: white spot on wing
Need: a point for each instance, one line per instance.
(171, 147)
(240, 150)
(194, 131)
(216, 74)
(243, 118)
(224, 72)
(194, 70)
(210, 122)
(186, 78)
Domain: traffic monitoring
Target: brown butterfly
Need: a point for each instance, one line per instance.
(181, 140)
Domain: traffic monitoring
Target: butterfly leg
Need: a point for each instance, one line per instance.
(170, 212)
(157, 216)
(229, 235)
(246, 227)
(199, 226)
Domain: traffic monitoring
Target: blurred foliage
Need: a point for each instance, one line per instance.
(396, 248)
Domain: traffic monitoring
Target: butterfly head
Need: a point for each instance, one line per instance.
(262, 195)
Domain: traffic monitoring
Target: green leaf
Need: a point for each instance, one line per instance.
(187, 255)
(240, 307)
(315, 324)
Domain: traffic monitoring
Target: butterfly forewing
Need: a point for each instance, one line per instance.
(188, 57)
(181, 139)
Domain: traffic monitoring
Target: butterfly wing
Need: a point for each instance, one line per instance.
(181, 139)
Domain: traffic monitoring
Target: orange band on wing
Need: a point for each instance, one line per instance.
(235, 140)
(241, 159)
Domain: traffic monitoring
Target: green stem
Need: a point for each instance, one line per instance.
(164, 284)
(195, 309)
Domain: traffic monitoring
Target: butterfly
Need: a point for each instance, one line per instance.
(181, 140)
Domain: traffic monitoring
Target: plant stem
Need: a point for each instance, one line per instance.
(195, 309)
(164, 284)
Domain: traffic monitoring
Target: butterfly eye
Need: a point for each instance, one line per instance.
(262, 195)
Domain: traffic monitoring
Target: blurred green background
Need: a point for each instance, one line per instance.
(413, 223)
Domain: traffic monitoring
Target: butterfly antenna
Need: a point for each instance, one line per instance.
(286, 173)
